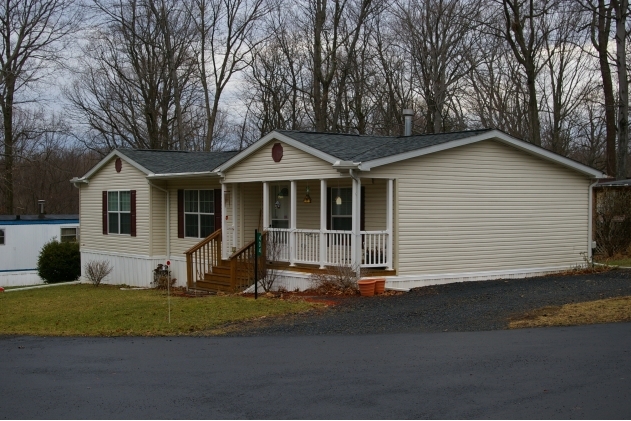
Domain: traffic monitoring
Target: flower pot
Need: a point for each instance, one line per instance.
(380, 285)
(366, 287)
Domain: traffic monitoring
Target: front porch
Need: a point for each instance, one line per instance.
(344, 225)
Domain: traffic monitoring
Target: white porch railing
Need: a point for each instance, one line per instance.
(307, 246)
(338, 250)
(374, 250)
(278, 244)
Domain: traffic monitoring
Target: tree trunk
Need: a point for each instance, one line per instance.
(622, 11)
(7, 120)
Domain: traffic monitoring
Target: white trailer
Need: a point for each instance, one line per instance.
(22, 238)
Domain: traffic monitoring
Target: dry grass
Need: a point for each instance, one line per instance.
(601, 311)
(616, 261)
(83, 310)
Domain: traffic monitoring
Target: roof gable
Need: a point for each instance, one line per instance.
(366, 152)
(159, 162)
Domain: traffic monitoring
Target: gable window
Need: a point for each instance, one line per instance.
(119, 212)
(1, 237)
(69, 235)
(342, 214)
(199, 213)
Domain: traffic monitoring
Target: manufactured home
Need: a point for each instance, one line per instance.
(419, 210)
(21, 239)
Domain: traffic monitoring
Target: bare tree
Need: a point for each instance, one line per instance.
(136, 83)
(621, 12)
(442, 42)
(525, 29)
(33, 34)
(496, 95)
(567, 80)
(333, 28)
(226, 31)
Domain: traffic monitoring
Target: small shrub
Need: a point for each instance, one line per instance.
(97, 270)
(336, 280)
(59, 262)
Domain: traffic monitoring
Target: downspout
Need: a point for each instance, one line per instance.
(168, 217)
(590, 240)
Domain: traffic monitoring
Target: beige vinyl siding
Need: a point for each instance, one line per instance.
(308, 214)
(295, 165)
(488, 206)
(252, 210)
(180, 245)
(107, 179)
(375, 203)
(158, 221)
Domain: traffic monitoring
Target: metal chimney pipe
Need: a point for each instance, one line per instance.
(407, 115)
(40, 204)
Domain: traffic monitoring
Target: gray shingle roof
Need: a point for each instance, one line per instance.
(170, 162)
(362, 148)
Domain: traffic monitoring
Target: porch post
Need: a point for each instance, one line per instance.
(356, 237)
(265, 206)
(323, 213)
(389, 213)
(292, 224)
(235, 216)
(224, 223)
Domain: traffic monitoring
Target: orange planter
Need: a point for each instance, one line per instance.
(380, 285)
(366, 287)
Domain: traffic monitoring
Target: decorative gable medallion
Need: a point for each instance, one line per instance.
(118, 164)
(277, 152)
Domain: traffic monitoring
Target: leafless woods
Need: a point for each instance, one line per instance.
(216, 74)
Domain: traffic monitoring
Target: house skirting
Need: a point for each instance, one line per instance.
(133, 270)
(292, 280)
(20, 278)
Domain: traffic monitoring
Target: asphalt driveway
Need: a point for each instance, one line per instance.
(460, 307)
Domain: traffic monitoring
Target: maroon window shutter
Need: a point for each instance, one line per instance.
(180, 213)
(133, 213)
(104, 213)
(217, 209)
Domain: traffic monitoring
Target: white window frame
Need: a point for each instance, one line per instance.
(199, 213)
(76, 233)
(118, 212)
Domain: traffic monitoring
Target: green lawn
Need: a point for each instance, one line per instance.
(83, 310)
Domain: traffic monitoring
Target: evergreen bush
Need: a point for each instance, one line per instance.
(59, 262)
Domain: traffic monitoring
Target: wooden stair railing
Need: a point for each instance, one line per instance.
(242, 265)
(202, 257)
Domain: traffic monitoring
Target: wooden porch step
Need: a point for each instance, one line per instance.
(217, 278)
(213, 286)
(221, 270)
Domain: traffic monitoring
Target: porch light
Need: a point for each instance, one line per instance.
(282, 193)
(338, 200)
(307, 198)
